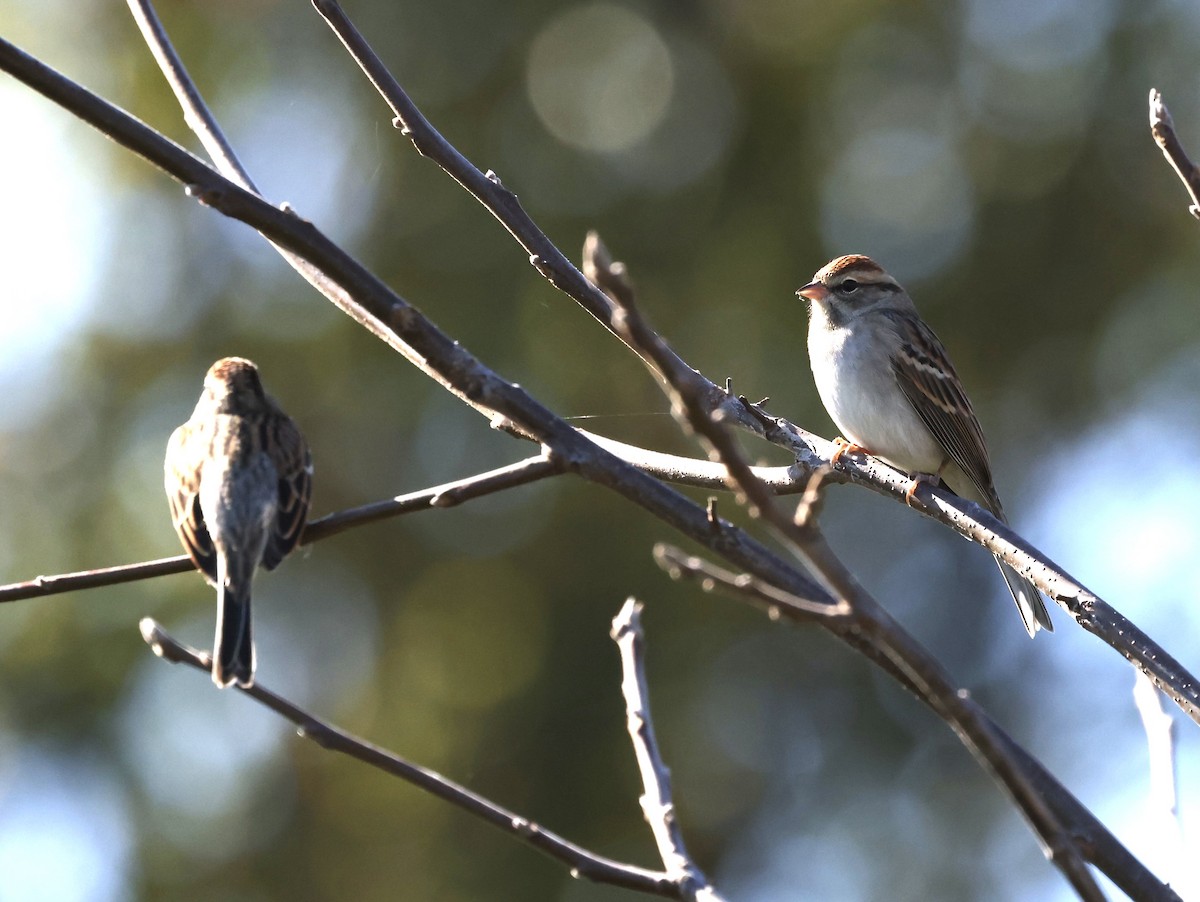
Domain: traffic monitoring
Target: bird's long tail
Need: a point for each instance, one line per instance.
(1028, 599)
(233, 648)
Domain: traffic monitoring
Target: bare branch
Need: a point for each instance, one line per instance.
(811, 452)
(703, 474)
(680, 565)
(607, 274)
(867, 618)
(682, 470)
(389, 316)
(658, 806)
(448, 494)
(1160, 737)
(582, 862)
(967, 518)
(1100, 846)
(200, 119)
(970, 520)
(1087, 608)
(445, 495)
(491, 193)
(813, 499)
(1162, 127)
(41, 586)
(195, 112)
(431, 350)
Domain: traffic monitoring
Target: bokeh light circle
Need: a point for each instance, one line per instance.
(600, 78)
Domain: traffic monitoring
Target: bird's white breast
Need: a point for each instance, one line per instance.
(856, 383)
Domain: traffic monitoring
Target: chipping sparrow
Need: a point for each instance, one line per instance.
(890, 387)
(238, 476)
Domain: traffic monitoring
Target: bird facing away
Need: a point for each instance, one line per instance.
(888, 384)
(238, 476)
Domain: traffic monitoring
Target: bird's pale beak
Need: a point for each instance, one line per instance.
(813, 291)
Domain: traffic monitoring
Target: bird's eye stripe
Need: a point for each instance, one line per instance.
(850, 286)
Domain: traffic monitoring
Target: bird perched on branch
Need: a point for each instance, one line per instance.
(238, 476)
(888, 384)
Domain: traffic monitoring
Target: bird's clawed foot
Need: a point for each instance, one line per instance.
(917, 479)
(844, 446)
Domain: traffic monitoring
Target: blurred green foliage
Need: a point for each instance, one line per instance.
(994, 156)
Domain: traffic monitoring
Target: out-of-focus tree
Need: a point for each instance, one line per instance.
(992, 155)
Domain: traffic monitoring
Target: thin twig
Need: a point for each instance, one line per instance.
(445, 495)
(582, 862)
(1162, 127)
(669, 467)
(658, 806)
(449, 494)
(487, 188)
(1160, 739)
(59, 583)
(678, 564)
(195, 112)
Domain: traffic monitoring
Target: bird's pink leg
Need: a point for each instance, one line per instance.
(844, 446)
(918, 478)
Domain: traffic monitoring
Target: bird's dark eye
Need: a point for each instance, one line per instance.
(849, 286)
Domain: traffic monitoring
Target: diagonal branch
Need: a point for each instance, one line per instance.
(487, 188)
(680, 565)
(200, 119)
(427, 347)
(443, 359)
(582, 862)
(967, 518)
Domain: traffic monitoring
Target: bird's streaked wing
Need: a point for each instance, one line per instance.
(182, 480)
(927, 378)
(293, 462)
